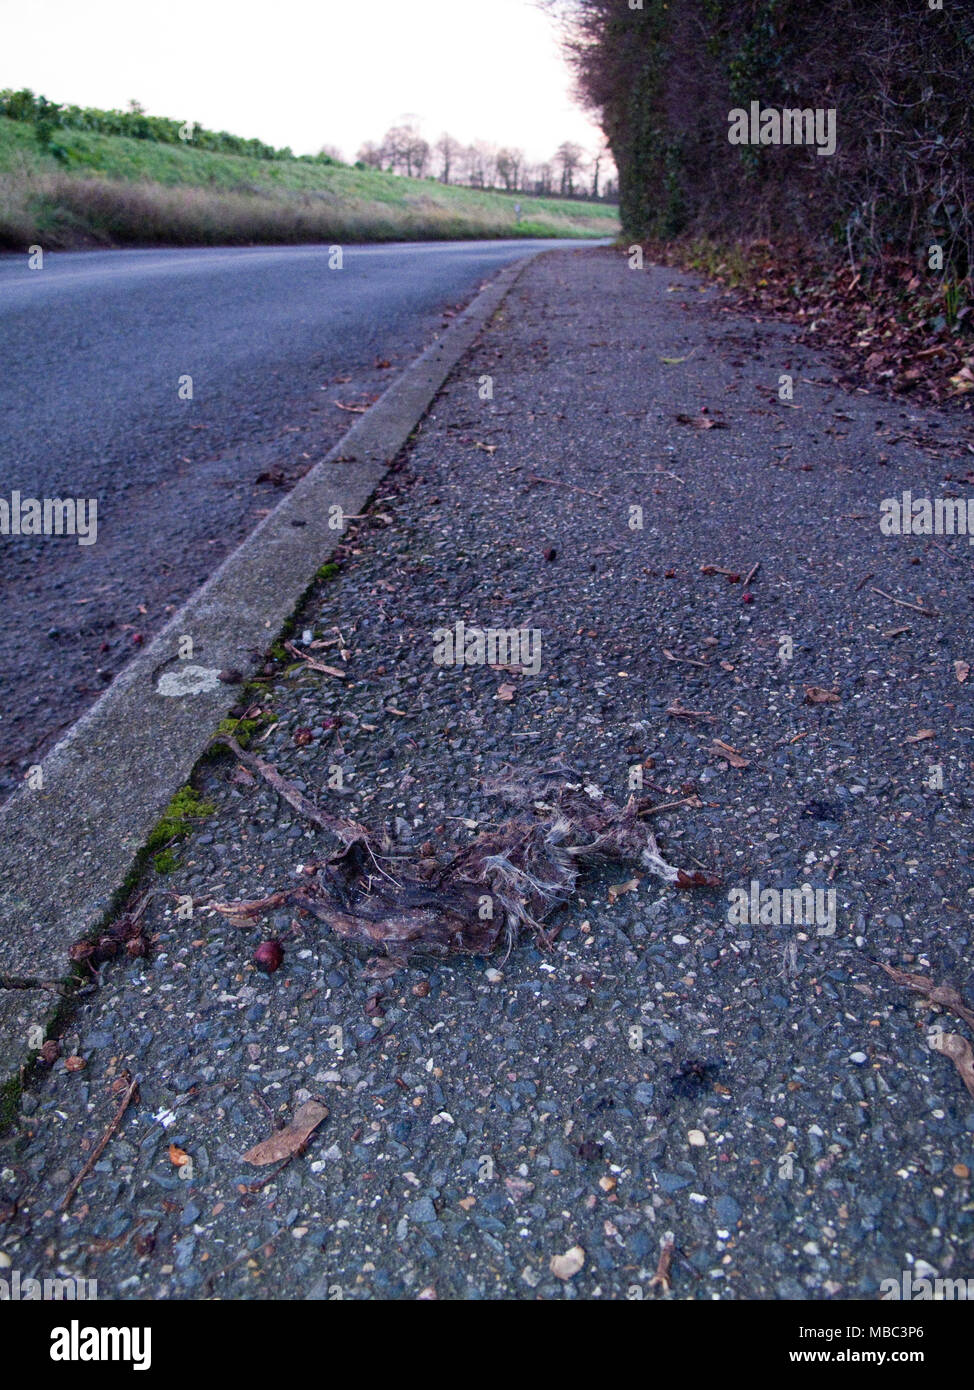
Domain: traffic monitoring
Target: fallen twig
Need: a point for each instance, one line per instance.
(917, 607)
(345, 830)
(686, 660)
(557, 482)
(945, 995)
(751, 573)
(671, 805)
(661, 1279)
(677, 711)
(100, 1147)
(310, 661)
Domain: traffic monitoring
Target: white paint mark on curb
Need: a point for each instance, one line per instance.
(188, 680)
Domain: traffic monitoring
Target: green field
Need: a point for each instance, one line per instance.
(109, 190)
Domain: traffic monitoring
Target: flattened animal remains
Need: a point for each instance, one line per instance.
(474, 900)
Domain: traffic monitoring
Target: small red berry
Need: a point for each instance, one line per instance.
(269, 957)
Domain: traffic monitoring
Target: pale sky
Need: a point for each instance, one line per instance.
(307, 73)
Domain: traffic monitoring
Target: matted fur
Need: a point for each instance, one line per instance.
(480, 898)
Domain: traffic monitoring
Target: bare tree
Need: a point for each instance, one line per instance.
(405, 151)
(570, 158)
(449, 151)
(600, 158)
(474, 159)
(485, 162)
(543, 175)
(509, 164)
(371, 155)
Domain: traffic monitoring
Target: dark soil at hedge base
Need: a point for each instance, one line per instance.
(767, 1041)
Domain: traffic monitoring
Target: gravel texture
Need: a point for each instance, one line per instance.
(763, 1092)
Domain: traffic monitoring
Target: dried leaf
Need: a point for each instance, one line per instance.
(619, 890)
(701, 422)
(720, 749)
(961, 671)
(815, 695)
(919, 736)
(945, 995)
(506, 693)
(959, 1051)
(568, 1265)
(177, 1156)
(285, 1143)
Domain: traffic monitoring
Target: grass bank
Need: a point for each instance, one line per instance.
(107, 190)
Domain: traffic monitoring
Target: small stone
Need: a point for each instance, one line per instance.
(727, 1210)
(566, 1266)
(697, 1138)
(423, 1211)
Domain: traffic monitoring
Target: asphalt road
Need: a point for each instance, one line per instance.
(93, 350)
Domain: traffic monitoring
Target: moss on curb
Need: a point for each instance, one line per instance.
(174, 824)
(10, 1093)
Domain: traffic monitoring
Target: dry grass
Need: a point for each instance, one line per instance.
(68, 210)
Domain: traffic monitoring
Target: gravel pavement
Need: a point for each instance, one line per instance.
(761, 1091)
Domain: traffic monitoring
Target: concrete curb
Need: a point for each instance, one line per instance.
(67, 847)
